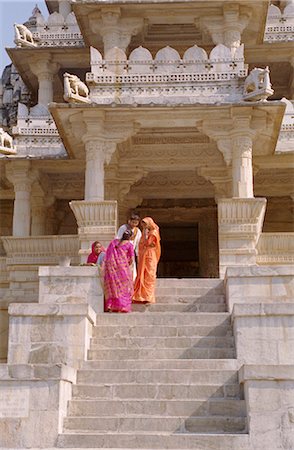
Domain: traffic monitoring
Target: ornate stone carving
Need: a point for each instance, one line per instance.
(257, 85)
(6, 143)
(275, 248)
(286, 136)
(75, 90)
(280, 25)
(23, 36)
(167, 79)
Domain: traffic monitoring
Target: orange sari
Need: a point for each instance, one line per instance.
(149, 254)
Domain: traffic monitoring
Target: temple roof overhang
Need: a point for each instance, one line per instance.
(67, 58)
(163, 13)
(80, 122)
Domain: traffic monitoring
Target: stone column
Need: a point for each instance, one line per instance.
(94, 176)
(64, 8)
(38, 216)
(115, 30)
(45, 70)
(242, 167)
(20, 175)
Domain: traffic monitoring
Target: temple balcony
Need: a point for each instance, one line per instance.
(286, 137)
(56, 31)
(35, 133)
(165, 79)
(275, 248)
(280, 24)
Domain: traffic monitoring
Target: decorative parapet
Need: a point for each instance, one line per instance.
(275, 248)
(36, 133)
(40, 250)
(6, 143)
(286, 136)
(168, 78)
(280, 25)
(56, 31)
(241, 216)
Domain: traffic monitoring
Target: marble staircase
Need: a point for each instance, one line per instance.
(162, 377)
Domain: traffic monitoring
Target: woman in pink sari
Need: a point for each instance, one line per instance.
(118, 278)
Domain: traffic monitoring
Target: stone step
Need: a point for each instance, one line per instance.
(187, 290)
(186, 282)
(171, 376)
(214, 407)
(162, 353)
(155, 391)
(191, 424)
(163, 342)
(162, 331)
(165, 364)
(179, 307)
(164, 319)
(155, 441)
(216, 298)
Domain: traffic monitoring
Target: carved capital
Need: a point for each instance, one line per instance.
(21, 176)
(44, 68)
(115, 30)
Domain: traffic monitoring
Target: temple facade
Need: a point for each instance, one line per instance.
(180, 110)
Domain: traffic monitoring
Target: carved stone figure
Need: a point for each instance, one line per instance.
(257, 85)
(74, 89)
(6, 143)
(23, 36)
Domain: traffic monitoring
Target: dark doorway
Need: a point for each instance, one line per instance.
(179, 251)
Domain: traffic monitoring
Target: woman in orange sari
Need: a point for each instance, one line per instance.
(149, 254)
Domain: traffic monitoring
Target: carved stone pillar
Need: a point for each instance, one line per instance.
(97, 151)
(242, 167)
(115, 30)
(45, 70)
(239, 227)
(21, 176)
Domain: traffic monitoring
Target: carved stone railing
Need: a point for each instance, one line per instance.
(275, 248)
(36, 134)
(40, 250)
(56, 31)
(286, 136)
(279, 25)
(167, 78)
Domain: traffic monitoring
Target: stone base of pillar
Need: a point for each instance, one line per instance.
(97, 221)
(239, 225)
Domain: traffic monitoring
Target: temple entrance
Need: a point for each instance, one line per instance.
(179, 251)
(189, 236)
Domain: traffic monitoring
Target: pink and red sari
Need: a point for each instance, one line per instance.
(118, 278)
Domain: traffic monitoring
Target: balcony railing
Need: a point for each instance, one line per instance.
(280, 25)
(275, 248)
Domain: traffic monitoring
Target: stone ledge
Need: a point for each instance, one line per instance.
(259, 271)
(36, 309)
(262, 309)
(37, 372)
(71, 271)
(266, 372)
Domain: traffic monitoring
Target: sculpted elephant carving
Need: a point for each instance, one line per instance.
(23, 36)
(257, 85)
(6, 143)
(75, 89)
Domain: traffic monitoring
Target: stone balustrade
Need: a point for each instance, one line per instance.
(241, 215)
(286, 137)
(167, 78)
(40, 250)
(35, 133)
(275, 248)
(56, 31)
(279, 25)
